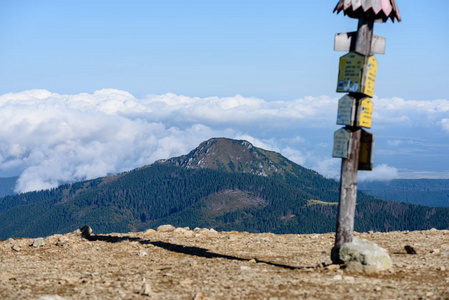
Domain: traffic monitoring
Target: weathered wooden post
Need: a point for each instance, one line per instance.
(356, 76)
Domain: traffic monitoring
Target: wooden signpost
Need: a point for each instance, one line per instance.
(357, 75)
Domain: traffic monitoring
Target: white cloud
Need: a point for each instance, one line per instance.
(267, 144)
(49, 138)
(409, 113)
(394, 143)
(239, 109)
(294, 155)
(328, 167)
(381, 172)
(445, 125)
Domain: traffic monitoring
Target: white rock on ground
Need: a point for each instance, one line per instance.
(364, 256)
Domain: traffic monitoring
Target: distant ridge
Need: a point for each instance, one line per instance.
(430, 192)
(7, 185)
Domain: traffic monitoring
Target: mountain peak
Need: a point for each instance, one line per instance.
(232, 156)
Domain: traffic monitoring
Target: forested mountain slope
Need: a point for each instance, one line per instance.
(263, 192)
(429, 192)
(7, 185)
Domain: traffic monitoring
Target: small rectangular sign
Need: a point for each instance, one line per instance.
(369, 76)
(365, 112)
(357, 74)
(341, 143)
(346, 40)
(378, 44)
(350, 72)
(346, 110)
(366, 151)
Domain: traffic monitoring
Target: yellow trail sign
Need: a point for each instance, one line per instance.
(357, 75)
(365, 112)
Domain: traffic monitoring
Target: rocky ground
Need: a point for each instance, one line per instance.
(205, 264)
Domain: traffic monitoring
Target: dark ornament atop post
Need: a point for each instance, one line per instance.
(379, 10)
(361, 45)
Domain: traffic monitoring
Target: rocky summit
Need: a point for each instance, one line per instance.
(233, 156)
(181, 263)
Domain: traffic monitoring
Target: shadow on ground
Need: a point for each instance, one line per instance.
(189, 250)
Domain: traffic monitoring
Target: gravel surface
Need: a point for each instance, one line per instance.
(204, 264)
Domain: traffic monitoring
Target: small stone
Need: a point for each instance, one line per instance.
(187, 281)
(207, 232)
(86, 231)
(5, 276)
(189, 234)
(310, 270)
(413, 250)
(8, 241)
(142, 253)
(212, 233)
(180, 230)
(16, 247)
(435, 251)
(50, 297)
(77, 232)
(61, 242)
(198, 296)
(38, 242)
(204, 231)
(354, 267)
(337, 277)
(145, 289)
(245, 268)
(166, 228)
(333, 267)
(149, 231)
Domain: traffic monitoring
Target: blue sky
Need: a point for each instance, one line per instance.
(270, 62)
(275, 50)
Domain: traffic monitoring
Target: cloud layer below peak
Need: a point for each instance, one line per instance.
(49, 138)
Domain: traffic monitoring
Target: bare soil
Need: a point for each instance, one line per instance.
(204, 264)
